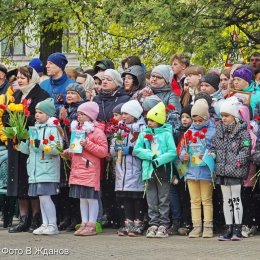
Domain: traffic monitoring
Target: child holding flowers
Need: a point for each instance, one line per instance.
(129, 185)
(85, 167)
(198, 176)
(231, 148)
(43, 164)
(156, 148)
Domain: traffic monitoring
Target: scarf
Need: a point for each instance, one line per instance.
(32, 82)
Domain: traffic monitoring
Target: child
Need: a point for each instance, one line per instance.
(117, 112)
(179, 196)
(231, 148)
(129, 185)
(43, 166)
(156, 147)
(85, 167)
(198, 176)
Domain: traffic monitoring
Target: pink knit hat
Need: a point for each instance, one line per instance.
(90, 109)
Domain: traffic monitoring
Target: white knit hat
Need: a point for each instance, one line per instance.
(132, 108)
(231, 106)
(200, 108)
(115, 76)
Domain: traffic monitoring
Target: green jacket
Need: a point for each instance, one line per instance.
(43, 166)
(157, 152)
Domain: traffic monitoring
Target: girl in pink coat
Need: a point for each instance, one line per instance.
(85, 167)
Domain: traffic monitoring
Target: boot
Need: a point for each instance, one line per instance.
(227, 234)
(64, 224)
(237, 236)
(196, 231)
(137, 229)
(184, 230)
(173, 230)
(81, 228)
(36, 222)
(22, 226)
(129, 224)
(207, 230)
(72, 226)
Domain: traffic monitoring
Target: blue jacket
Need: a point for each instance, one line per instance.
(199, 172)
(57, 88)
(43, 166)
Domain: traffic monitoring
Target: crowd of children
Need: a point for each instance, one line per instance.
(167, 152)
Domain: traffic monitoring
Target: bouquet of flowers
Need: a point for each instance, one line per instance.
(18, 114)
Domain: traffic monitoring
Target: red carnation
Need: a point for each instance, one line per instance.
(194, 140)
(204, 130)
(56, 122)
(149, 137)
(196, 134)
(189, 132)
(51, 138)
(45, 141)
(201, 136)
(170, 107)
(257, 118)
(66, 121)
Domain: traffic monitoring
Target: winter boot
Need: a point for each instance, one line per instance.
(99, 228)
(80, 229)
(196, 231)
(184, 230)
(227, 234)
(64, 224)
(173, 230)
(137, 230)
(237, 236)
(72, 226)
(129, 224)
(22, 226)
(207, 230)
(36, 222)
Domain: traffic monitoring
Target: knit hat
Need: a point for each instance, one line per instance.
(187, 110)
(164, 71)
(77, 88)
(115, 76)
(157, 113)
(58, 59)
(90, 109)
(117, 109)
(3, 69)
(212, 79)
(243, 73)
(231, 106)
(204, 95)
(47, 106)
(132, 108)
(37, 65)
(99, 75)
(150, 102)
(200, 108)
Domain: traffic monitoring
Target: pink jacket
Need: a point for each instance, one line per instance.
(85, 167)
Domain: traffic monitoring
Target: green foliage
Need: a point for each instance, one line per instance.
(152, 29)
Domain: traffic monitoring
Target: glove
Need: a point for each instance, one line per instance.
(37, 143)
(127, 150)
(117, 147)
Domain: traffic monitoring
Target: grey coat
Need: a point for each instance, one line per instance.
(129, 172)
(232, 150)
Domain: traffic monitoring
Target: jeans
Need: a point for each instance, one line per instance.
(175, 203)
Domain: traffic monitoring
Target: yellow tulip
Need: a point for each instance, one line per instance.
(19, 108)
(11, 107)
(47, 149)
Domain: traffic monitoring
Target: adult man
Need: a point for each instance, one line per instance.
(179, 63)
(4, 84)
(255, 60)
(58, 81)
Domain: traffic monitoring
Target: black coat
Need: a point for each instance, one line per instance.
(17, 172)
(108, 102)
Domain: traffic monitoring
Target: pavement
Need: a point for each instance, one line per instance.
(109, 246)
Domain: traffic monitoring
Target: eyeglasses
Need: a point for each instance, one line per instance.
(156, 76)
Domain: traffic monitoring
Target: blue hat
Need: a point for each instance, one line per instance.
(36, 64)
(58, 59)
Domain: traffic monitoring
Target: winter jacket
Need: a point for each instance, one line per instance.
(232, 151)
(57, 88)
(43, 166)
(107, 102)
(158, 154)
(85, 167)
(129, 172)
(199, 172)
